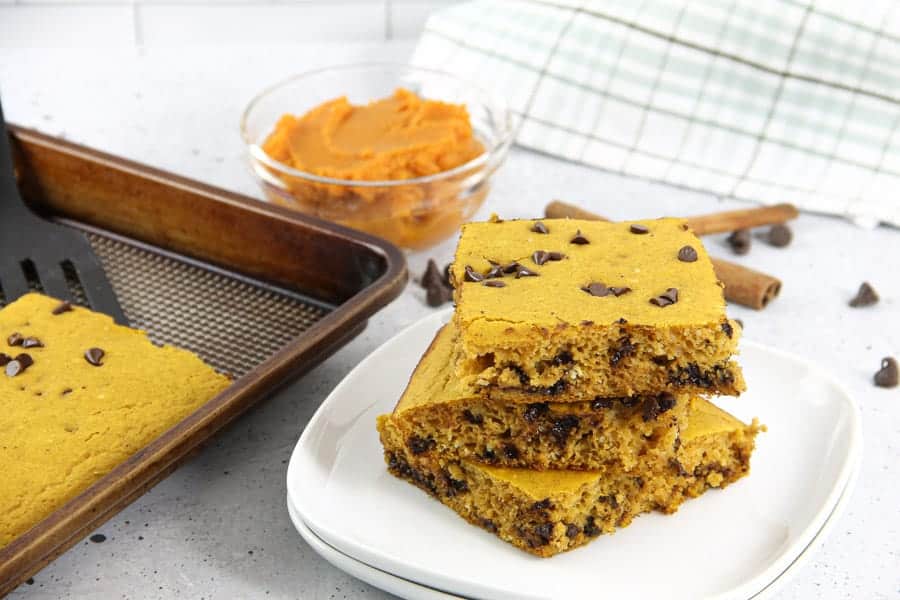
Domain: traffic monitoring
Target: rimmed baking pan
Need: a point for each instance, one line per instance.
(259, 292)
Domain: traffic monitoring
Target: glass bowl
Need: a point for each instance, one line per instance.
(412, 213)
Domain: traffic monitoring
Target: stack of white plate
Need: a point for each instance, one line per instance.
(738, 543)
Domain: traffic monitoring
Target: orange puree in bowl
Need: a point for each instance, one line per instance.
(400, 137)
(390, 140)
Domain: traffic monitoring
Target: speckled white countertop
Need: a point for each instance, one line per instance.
(218, 527)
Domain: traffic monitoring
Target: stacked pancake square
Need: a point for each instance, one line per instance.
(568, 394)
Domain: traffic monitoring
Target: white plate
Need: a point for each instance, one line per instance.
(414, 591)
(729, 544)
(385, 581)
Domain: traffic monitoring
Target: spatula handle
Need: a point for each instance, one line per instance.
(10, 199)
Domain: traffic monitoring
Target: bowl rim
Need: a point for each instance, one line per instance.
(497, 150)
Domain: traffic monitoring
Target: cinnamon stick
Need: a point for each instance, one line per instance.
(743, 286)
(720, 222)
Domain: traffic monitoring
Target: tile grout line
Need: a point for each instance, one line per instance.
(136, 24)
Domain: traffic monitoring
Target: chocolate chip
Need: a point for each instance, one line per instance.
(447, 279)
(98, 538)
(95, 356)
(488, 455)
(678, 467)
(629, 401)
(4, 359)
(579, 239)
(687, 254)
(66, 392)
(419, 445)
(544, 532)
(655, 406)
(539, 227)
(562, 428)
(596, 289)
(535, 411)
(15, 339)
(525, 272)
(590, 528)
(436, 284)
(662, 360)
(32, 342)
(511, 452)
(524, 379)
(438, 294)
(778, 235)
(494, 283)
(602, 403)
(623, 349)
(455, 487)
(739, 241)
(402, 468)
(540, 257)
(639, 229)
(512, 267)
(618, 291)
(542, 504)
(472, 417)
(18, 365)
(572, 531)
(865, 296)
(495, 271)
(473, 275)
(556, 389)
(62, 307)
(564, 357)
(432, 276)
(886, 376)
(728, 329)
(693, 375)
(670, 297)
(610, 499)
(489, 525)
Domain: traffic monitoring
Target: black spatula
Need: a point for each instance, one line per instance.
(38, 255)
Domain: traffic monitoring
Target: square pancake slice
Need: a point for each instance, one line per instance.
(439, 417)
(583, 308)
(78, 395)
(548, 512)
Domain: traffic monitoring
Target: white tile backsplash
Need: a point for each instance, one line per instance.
(177, 24)
(407, 17)
(52, 23)
(66, 25)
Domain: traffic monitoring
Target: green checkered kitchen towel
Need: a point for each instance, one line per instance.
(775, 101)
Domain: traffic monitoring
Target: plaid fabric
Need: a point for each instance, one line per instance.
(792, 101)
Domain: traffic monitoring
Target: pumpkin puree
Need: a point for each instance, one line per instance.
(400, 137)
(396, 138)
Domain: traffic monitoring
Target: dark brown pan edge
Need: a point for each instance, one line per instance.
(65, 527)
(187, 217)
